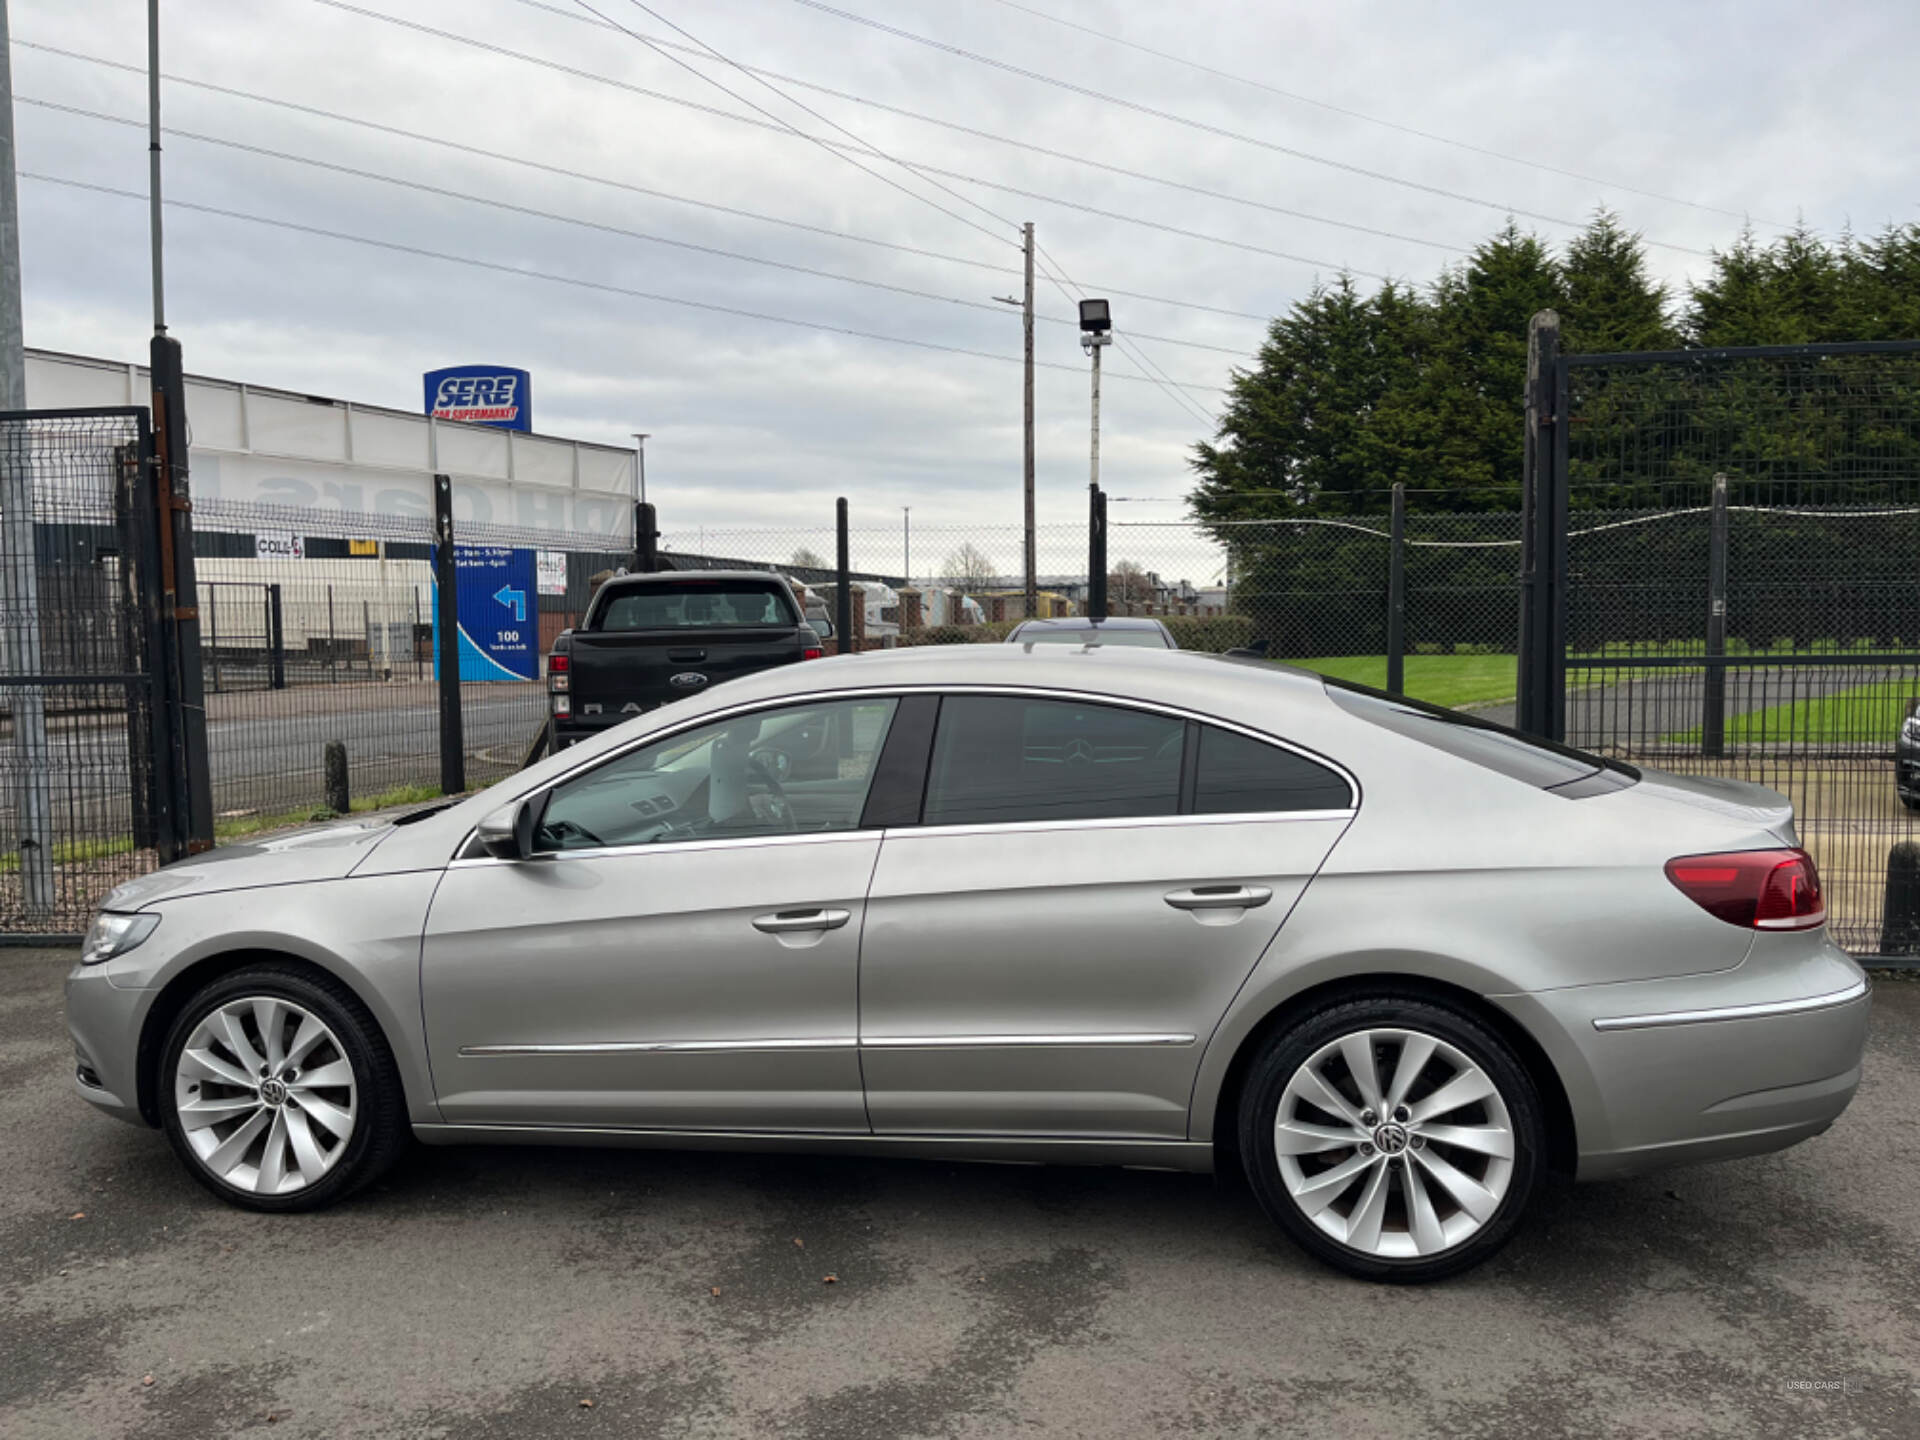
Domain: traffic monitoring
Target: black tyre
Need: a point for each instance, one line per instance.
(278, 1091)
(1395, 1138)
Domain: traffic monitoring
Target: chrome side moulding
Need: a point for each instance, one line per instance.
(643, 1047)
(1763, 1011)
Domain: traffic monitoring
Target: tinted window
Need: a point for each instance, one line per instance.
(802, 768)
(1507, 752)
(1002, 759)
(1238, 775)
(697, 605)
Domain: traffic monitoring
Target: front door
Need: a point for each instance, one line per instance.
(1049, 951)
(683, 951)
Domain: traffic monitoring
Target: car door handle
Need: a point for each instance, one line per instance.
(1219, 897)
(786, 921)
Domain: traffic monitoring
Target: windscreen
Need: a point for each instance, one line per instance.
(698, 605)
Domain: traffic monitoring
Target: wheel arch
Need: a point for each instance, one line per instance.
(1562, 1126)
(190, 979)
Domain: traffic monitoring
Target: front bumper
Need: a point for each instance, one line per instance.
(1707, 1067)
(104, 1020)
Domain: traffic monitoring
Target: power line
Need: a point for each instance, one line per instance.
(866, 145)
(783, 128)
(591, 178)
(782, 122)
(526, 273)
(564, 219)
(1201, 125)
(1352, 114)
(1032, 148)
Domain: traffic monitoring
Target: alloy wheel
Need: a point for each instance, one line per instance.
(265, 1095)
(1394, 1143)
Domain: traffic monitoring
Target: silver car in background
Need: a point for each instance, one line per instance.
(1091, 905)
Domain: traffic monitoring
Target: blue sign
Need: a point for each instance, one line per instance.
(499, 614)
(482, 394)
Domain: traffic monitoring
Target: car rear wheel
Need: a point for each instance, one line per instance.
(1397, 1139)
(279, 1092)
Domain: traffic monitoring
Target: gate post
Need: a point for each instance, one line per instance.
(1713, 699)
(1397, 593)
(646, 539)
(277, 636)
(1096, 552)
(180, 602)
(842, 583)
(1537, 538)
(446, 621)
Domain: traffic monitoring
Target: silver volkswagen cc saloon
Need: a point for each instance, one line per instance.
(1092, 905)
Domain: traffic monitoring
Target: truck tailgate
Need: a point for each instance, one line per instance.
(627, 671)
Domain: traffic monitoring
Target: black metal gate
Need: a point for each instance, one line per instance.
(1722, 577)
(87, 782)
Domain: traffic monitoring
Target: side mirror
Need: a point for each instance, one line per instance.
(507, 834)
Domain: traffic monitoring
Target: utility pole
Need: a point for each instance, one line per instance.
(22, 593)
(1026, 466)
(906, 543)
(1026, 470)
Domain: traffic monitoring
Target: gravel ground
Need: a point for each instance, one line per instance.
(495, 1292)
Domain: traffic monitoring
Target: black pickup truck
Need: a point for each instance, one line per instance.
(648, 639)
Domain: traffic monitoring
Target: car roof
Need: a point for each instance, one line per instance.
(657, 577)
(1181, 678)
(1088, 622)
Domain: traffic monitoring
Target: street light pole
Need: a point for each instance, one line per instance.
(906, 543)
(34, 800)
(1096, 332)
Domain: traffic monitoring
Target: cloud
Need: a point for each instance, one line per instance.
(1751, 107)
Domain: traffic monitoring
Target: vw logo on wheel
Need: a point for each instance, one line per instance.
(687, 680)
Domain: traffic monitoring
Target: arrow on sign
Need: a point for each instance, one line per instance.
(515, 600)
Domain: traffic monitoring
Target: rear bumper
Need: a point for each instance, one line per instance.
(1706, 1067)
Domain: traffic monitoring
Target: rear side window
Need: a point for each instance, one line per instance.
(697, 605)
(1527, 758)
(1004, 759)
(1237, 775)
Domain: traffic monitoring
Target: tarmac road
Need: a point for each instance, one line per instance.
(487, 1293)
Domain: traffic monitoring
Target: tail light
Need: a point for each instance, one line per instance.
(563, 706)
(1754, 889)
(812, 652)
(559, 667)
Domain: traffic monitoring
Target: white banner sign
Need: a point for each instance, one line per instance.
(278, 545)
(551, 571)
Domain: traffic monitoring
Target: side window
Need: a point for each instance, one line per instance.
(776, 772)
(1241, 776)
(1004, 759)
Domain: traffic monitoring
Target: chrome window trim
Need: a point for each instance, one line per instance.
(1008, 1042)
(607, 852)
(672, 1047)
(1117, 822)
(1761, 1011)
(888, 692)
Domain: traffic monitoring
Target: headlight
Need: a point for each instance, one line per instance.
(113, 935)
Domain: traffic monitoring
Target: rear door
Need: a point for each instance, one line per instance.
(1048, 951)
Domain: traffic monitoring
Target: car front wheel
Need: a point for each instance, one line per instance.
(1397, 1139)
(278, 1090)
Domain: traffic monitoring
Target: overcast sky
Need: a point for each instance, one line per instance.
(1761, 109)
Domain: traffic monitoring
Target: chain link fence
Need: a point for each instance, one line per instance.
(1742, 592)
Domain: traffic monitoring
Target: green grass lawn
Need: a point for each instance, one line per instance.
(1451, 680)
(1866, 714)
